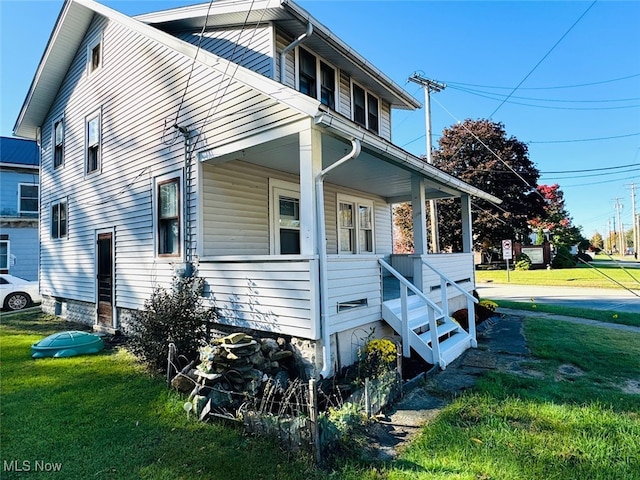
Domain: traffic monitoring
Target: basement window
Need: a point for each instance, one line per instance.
(351, 304)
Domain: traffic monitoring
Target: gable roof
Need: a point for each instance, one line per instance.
(69, 31)
(294, 20)
(17, 151)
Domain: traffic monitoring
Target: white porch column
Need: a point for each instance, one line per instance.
(467, 221)
(420, 243)
(310, 166)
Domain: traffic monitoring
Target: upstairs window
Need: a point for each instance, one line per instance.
(59, 219)
(94, 56)
(366, 109)
(169, 218)
(58, 143)
(307, 75)
(316, 78)
(28, 203)
(93, 141)
(355, 225)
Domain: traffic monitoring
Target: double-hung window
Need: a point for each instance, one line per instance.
(58, 143)
(59, 219)
(169, 217)
(366, 108)
(93, 141)
(285, 217)
(355, 225)
(4, 253)
(316, 78)
(28, 203)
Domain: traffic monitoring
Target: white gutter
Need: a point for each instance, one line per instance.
(327, 367)
(291, 46)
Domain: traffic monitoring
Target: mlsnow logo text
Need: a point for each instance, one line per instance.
(29, 466)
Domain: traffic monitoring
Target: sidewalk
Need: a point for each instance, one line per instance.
(501, 346)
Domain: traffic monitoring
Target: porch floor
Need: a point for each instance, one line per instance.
(391, 287)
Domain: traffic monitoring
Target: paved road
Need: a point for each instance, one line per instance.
(594, 298)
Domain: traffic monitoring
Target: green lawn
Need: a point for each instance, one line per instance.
(102, 416)
(581, 276)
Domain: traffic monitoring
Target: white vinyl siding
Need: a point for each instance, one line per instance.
(281, 43)
(144, 87)
(272, 295)
(251, 47)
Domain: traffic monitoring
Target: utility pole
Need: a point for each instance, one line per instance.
(636, 239)
(621, 242)
(430, 86)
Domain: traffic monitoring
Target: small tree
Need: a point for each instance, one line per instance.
(171, 316)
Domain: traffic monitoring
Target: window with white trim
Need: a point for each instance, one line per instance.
(59, 219)
(93, 143)
(355, 225)
(4, 253)
(168, 201)
(28, 202)
(316, 78)
(285, 217)
(58, 143)
(366, 108)
(94, 55)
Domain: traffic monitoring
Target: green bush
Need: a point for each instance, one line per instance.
(563, 258)
(171, 316)
(523, 262)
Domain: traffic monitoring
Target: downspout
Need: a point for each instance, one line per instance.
(291, 46)
(187, 204)
(327, 368)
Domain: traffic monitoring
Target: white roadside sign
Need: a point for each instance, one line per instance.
(507, 250)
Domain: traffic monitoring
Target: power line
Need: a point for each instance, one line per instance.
(595, 169)
(543, 58)
(586, 139)
(450, 83)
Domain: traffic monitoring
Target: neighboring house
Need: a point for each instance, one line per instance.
(19, 184)
(259, 151)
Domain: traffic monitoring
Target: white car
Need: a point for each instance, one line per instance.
(17, 293)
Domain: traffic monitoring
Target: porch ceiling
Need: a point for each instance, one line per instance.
(370, 172)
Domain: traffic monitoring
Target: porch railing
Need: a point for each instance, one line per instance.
(471, 300)
(433, 312)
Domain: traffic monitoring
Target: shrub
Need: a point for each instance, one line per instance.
(563, 258)
(377, 357)
(523, 262)
(171, 316)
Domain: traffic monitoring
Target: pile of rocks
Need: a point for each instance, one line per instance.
(231, 369)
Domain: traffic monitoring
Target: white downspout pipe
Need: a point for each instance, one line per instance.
(327, 367)
(291, 46)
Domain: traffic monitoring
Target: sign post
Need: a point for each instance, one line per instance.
(507, 254)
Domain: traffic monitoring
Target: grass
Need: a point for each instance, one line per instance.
(580, 276)
(623, 318)
(552, 427)
(103, 416)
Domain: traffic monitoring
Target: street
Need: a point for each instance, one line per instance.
(618, 300)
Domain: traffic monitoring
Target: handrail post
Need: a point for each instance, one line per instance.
(444, 296)
(471, 315)
(404, 321)
(433, 330)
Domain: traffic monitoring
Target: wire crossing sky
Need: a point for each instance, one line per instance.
(577, 106)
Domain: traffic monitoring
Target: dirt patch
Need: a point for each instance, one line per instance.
(568, 372)
(632, 387)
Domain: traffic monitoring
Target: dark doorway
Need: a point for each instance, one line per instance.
(105, 279)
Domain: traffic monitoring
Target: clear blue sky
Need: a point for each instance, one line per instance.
(577, 105)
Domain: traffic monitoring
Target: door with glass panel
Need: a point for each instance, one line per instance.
(287, 221)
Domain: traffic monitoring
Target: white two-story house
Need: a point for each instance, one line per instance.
(247, 140)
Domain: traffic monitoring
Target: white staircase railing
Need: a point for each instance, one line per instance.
(471, 300)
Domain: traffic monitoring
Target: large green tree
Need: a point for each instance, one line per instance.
(480, 153)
